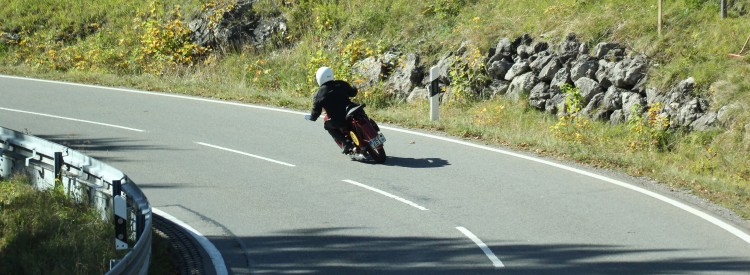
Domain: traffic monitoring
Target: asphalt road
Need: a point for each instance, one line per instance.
(272, 192)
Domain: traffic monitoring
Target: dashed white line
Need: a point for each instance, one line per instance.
(495, 261)
(73, 119)
(386, 194)
(246, 154)
(705, 216)
(687, 208)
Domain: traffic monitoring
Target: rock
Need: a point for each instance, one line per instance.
(602, 74)
(682, 93)
(239, 26)
(570, 45)
(687, 114)
(521, 86)
(517, 69)
(617, 117)
(584, 66)
(592, 108)
(267, 28)
(503, 51)
(709, 121)
(9, 38)
(498, 69)
(504, 45)
(583, 49)
(444, 66)
(553, 104)
(561, 78)
(653, 95)
(626, 73)
(418, 94)
(369, 71)
(540, 62)
(588, 89)
(640, 87)
(539, 95)
(548, 73)
(524, 51)
(498, 87)
(613, 99)
(632, 102)
(405, 77)
(524, 39)
(603, 49)
(539, 47)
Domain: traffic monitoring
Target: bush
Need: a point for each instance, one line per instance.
(45, 232)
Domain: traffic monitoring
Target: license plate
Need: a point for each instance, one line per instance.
(377, 141)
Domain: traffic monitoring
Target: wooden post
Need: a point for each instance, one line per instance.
(659, 19)
(723, 9)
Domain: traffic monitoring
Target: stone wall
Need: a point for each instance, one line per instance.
(611, 80)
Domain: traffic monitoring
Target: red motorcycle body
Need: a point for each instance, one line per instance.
(365, 135)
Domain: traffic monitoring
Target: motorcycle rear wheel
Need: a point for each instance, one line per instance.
(377, 155)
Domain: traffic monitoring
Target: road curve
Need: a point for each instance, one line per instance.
(272, 193)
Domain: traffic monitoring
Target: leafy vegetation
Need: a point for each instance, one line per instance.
(45, 232)
(129, 43)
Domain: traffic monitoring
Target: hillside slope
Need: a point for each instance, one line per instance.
(152, 46)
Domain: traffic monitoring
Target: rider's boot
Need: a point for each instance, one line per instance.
(348, 146)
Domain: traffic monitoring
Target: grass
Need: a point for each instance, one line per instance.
(695, 42)
(44, 232)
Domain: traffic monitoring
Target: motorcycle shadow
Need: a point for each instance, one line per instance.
(416, 162)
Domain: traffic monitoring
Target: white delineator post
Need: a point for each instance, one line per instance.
(434, 94)
(121, 216)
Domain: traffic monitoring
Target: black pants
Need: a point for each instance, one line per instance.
(337, 128)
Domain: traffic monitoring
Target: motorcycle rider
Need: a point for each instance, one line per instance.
(333, 97)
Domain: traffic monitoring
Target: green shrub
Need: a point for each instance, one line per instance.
(649, 132)
(44, 232)
(166, 43)
(571, 125)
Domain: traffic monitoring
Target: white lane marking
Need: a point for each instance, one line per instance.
(275, 109)
(417, 206)
(73, 119)
(703, 215)
(721, 224)
(495, 261)
(209, 247)
(245, 154)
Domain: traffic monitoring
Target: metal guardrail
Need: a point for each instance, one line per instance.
(84, 179)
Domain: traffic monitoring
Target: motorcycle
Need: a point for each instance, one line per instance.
(364, 134)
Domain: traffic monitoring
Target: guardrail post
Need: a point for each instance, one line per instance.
(121, 233)
(140, 225)
(58, 168)
(6, 163)
(434, 94)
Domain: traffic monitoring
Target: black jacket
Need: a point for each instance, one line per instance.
(333, 96)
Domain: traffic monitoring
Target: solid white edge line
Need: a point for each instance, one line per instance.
(275, 109)
(73, 119)
(245, 154)
(417, 206)
(211, 250)
(495, 261)
(721, 224)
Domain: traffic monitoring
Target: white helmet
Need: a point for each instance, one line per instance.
(324, 75)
